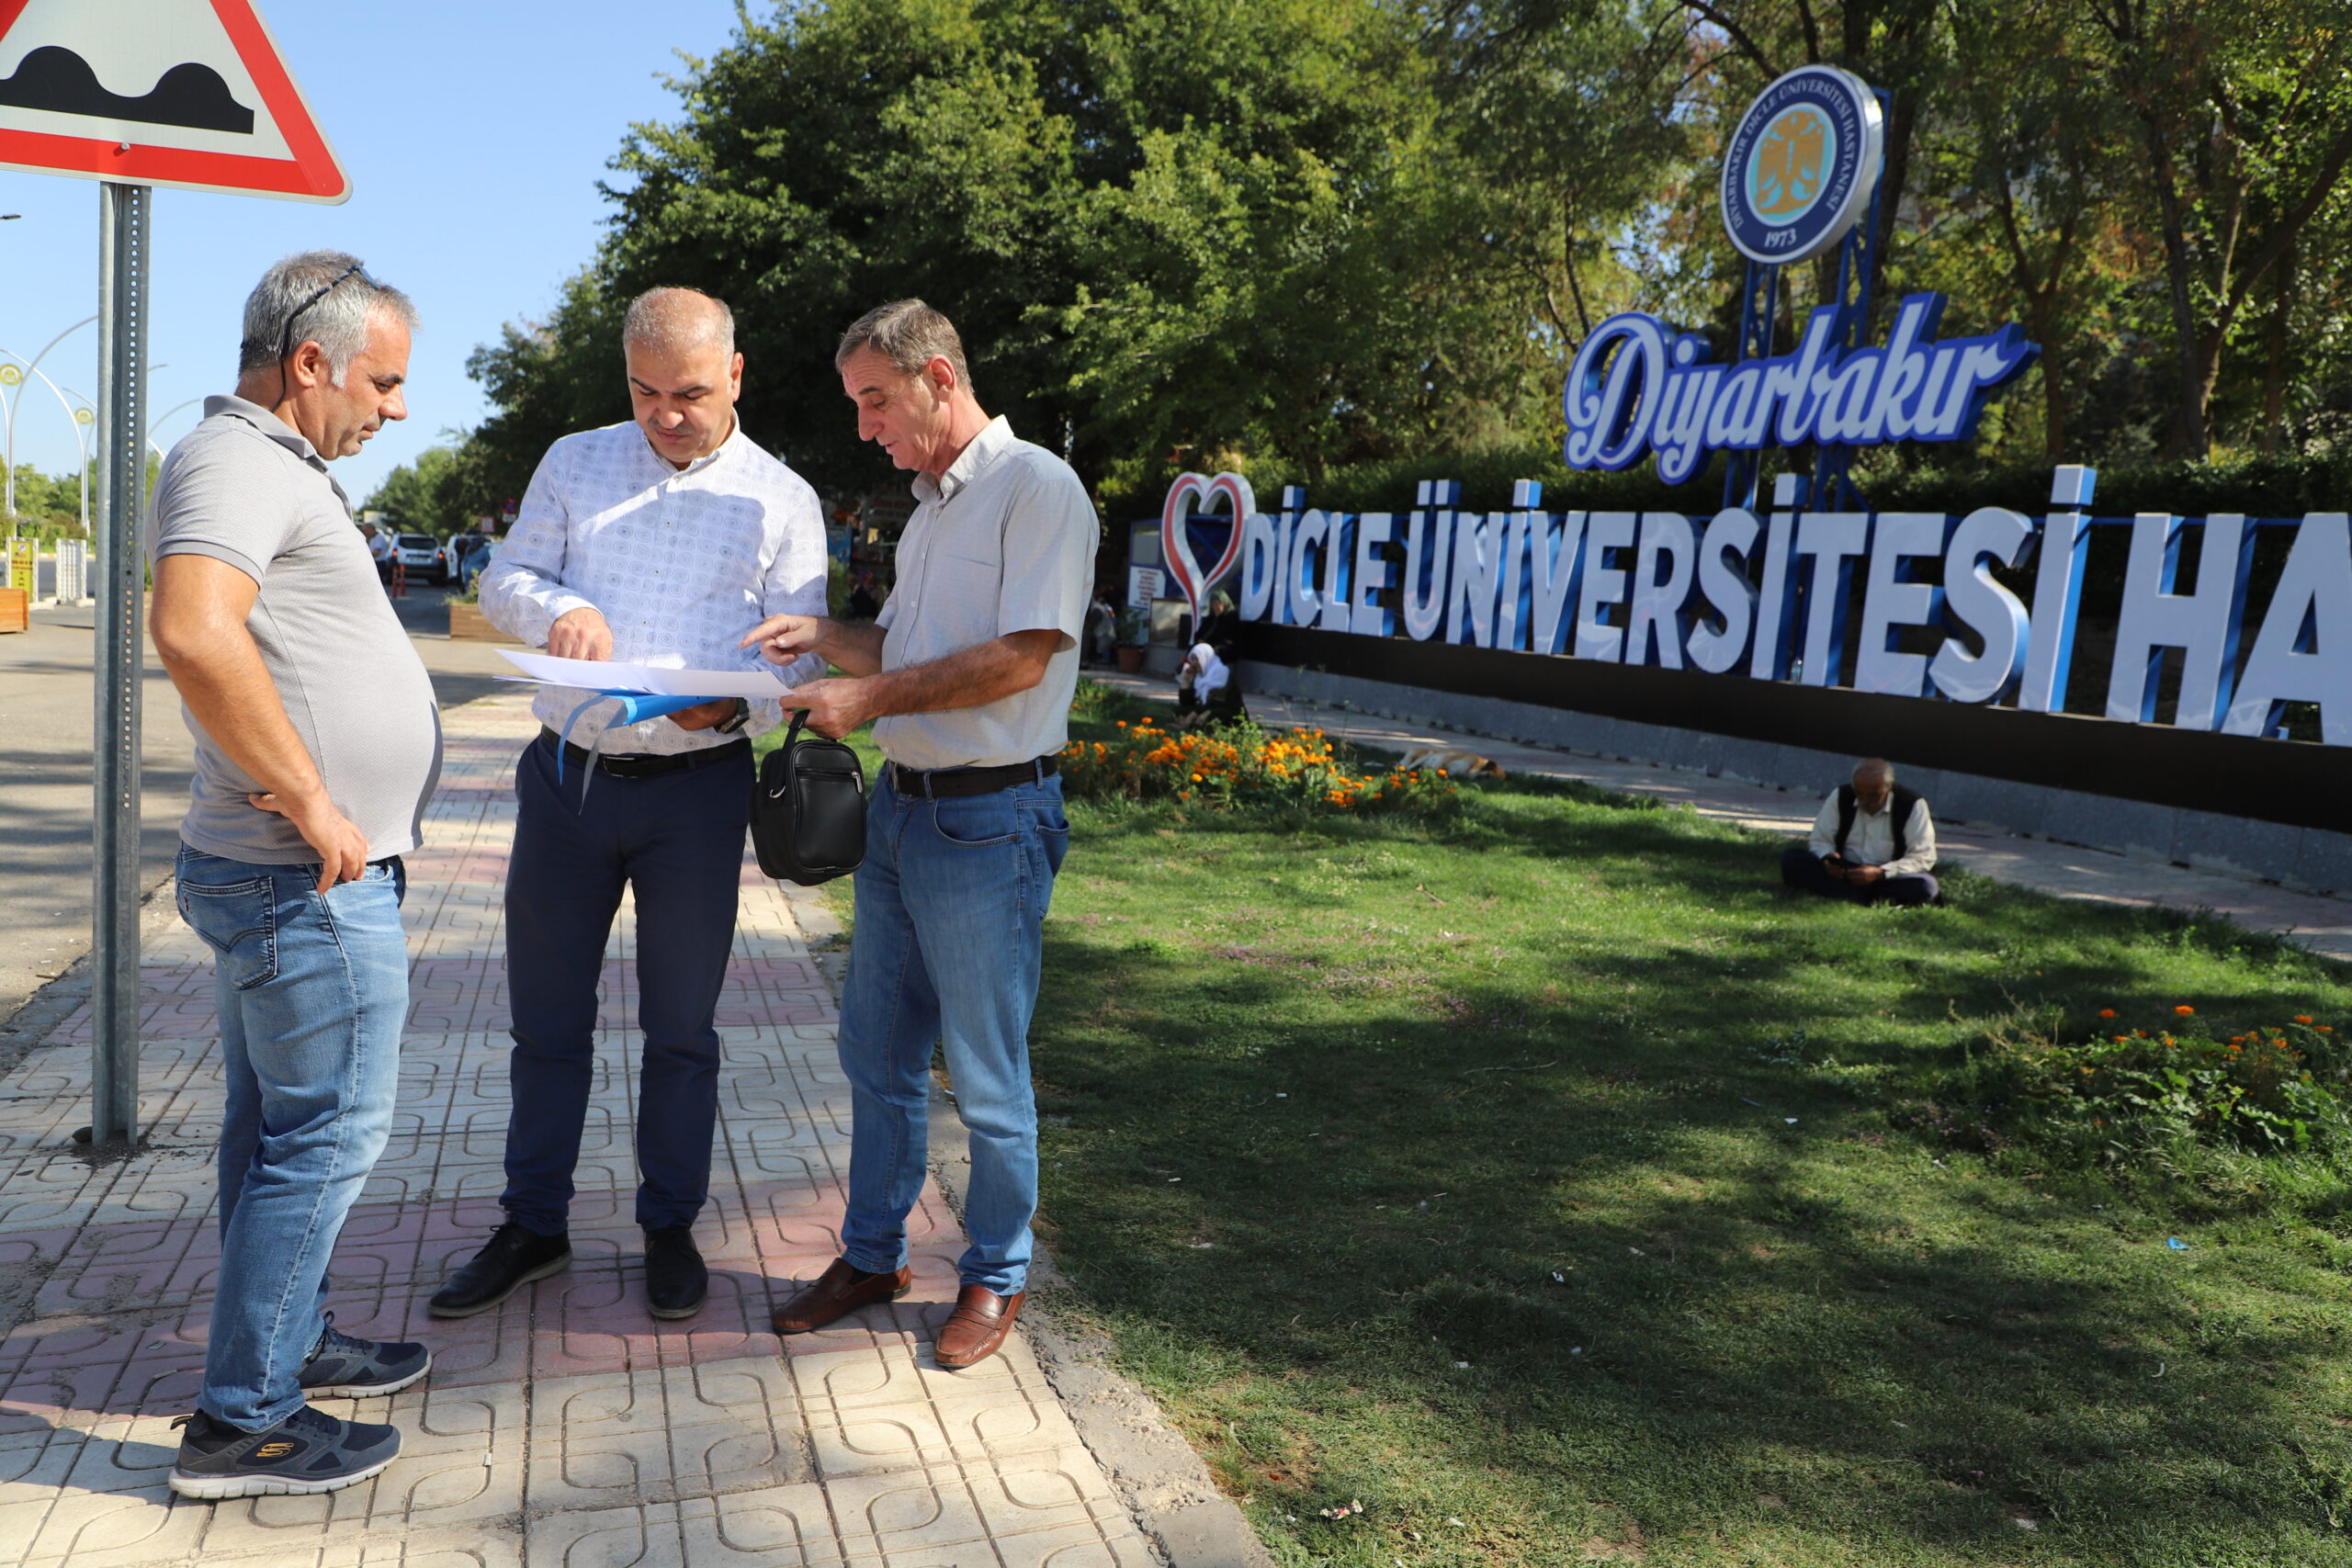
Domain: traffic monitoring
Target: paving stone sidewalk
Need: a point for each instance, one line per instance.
(567, 1430)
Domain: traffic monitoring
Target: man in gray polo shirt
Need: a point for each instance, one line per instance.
(317, 746)
(969, 670)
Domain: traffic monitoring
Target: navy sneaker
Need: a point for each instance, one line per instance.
(354, 1369)
(308, 1451)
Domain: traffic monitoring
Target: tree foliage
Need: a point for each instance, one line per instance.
(1302, 234)
(424, 496)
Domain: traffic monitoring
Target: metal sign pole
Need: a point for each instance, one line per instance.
(123, 250)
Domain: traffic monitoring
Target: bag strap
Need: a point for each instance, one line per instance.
(790, 754)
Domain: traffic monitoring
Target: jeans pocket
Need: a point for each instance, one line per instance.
(239, 922)
(976, 821)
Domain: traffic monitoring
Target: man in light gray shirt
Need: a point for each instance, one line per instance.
(317, 746)
(968, 671)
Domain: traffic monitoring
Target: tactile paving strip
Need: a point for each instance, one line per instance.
(569, 1428)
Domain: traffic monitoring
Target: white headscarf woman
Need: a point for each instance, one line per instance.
(1209, 672)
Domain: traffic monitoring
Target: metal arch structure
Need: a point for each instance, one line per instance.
(80, 418)
(8, 440)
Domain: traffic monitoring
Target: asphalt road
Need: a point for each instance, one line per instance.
(45, 766)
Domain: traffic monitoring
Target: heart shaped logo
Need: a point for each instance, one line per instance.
(1176, 534)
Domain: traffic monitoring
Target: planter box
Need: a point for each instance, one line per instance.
(467, 624)
(15, 610)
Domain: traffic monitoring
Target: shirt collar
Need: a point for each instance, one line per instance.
(278, 430)
(734, 438)
(993, 441)
(269, 424)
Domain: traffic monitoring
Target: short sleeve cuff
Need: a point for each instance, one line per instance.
(237, 558)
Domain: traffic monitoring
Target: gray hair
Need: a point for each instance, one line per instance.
(909, 334)
(1874, 768)
(679, 318)
(322, 297)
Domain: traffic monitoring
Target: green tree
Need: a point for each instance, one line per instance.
(1185, 226)
(2245, 115)
(422, 496)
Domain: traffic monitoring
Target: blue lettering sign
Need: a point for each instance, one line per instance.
(1638, 387)
(1771, 597)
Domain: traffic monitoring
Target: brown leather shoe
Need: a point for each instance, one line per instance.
(976, 1329)
(839, 1288)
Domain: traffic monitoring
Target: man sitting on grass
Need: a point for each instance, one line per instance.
(1874, 843)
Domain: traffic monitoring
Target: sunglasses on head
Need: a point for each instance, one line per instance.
(286, 342)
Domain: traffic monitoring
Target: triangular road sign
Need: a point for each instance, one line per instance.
(186, 93)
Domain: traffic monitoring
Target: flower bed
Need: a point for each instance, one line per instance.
(2269, 1088)
(1241, 764)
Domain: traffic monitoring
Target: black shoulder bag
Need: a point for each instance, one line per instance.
(809, 808)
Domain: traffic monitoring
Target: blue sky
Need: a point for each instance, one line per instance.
(474, 135)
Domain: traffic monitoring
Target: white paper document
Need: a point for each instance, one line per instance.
(600, 676)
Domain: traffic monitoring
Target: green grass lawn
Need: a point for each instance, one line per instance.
(1549, 1183)
(1477, 1172)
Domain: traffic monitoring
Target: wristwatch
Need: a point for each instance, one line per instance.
(734, 722)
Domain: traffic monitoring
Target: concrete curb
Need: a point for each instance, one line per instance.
(1165, 1486)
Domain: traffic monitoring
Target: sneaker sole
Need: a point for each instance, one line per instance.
(544, 1270)
(219, 1488)
(370, 1390)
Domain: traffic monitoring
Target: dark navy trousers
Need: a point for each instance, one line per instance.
(677, 841)
(1801, 869)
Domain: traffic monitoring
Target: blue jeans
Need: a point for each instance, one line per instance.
(312, 994)
(676, 839)
(949, 939)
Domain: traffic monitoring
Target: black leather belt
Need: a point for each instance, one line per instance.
(644, 765)
(940, 783)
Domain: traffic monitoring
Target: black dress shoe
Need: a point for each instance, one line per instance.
(675, 1278)
(513, 1259)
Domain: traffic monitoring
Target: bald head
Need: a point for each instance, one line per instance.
(1873, 781)
(684, 373)
(679, 320)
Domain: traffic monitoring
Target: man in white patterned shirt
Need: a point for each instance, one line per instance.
(659, 542)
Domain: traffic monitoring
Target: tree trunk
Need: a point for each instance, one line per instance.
(2274, 385)
(2043, 311)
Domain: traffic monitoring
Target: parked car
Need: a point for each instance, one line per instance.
(421, 555)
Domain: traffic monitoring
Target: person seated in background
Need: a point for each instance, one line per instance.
(1221, 626)
(1102, 630)
(1206, 692)
(1874, 843)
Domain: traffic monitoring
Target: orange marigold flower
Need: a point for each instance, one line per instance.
(2107, 1012)
(2186, 1011)
(2303, 1018)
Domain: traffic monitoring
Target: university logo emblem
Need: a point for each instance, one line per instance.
(1802, 165)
